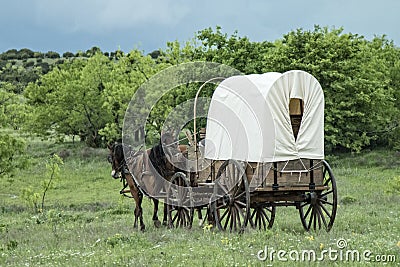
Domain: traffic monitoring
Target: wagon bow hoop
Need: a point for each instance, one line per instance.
(195, 116)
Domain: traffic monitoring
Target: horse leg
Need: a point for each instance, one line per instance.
(210, 216)
(138, 197)
(165, 217)
(140, 212)
(136, 217)
(200, 216)
(156, 222)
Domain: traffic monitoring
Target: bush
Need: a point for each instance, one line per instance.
(28, 64)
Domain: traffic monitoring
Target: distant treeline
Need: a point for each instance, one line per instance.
(20, 67)
(25, 53)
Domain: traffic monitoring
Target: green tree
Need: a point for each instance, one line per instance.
(25, 53)
(52, 54)
(68, 55)
(12, 147)
(93, 51)
(69, 100)
(359, 101)
(127, 75)
(235, 51)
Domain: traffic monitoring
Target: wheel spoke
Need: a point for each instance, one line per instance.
(227, 219)
(315, 218)
(265, 215)
(260, 222)
(325, 202)
(308, 211)
(175, 217)
(240, 203)
(240, 210)
(240, 195)
(236, 187)
(221, 206)
(311, 218)
(223, 188)
(238, 218)
(328, 181)
(184, 218)
(179, 219)
(262, 219)
(318, 215)
(231, 219)
(224, 214)
(327, 193)
(304, 204)
(253, 214)
(322, 216)
(326, 211)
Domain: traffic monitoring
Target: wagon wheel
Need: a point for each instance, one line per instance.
(319, 210)
(179, 208)
(262, 216)
(231, 198)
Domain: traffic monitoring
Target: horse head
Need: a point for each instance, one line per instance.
(117, 159)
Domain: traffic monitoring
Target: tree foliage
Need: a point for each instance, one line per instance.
(11, 147)
(69, 100)
(87, 95)
(355, 76)
(127, 75)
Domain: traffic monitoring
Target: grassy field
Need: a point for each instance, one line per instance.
(85, 222)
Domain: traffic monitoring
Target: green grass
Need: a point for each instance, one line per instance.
(87, 223)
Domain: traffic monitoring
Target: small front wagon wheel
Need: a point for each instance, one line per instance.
(319, 209)
(262, 216)
(231, 198)
(179, 208)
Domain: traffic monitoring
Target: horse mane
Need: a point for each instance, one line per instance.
(157, 156)
(158, 159)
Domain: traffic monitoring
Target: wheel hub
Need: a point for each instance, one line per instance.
(228, 200)
(312, 198)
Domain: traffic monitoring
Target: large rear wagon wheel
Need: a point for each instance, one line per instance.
(179, 208)
(231, 198)
(319, 209)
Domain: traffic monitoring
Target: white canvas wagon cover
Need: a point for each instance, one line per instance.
(249, 119)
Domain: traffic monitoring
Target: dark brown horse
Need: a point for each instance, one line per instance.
(137, 171)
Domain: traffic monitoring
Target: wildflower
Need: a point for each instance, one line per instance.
(225, 241)
(398, 244)
(321, 246)
(207, 228)
(311, 238)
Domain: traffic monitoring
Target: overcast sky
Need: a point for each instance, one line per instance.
(72, 25)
